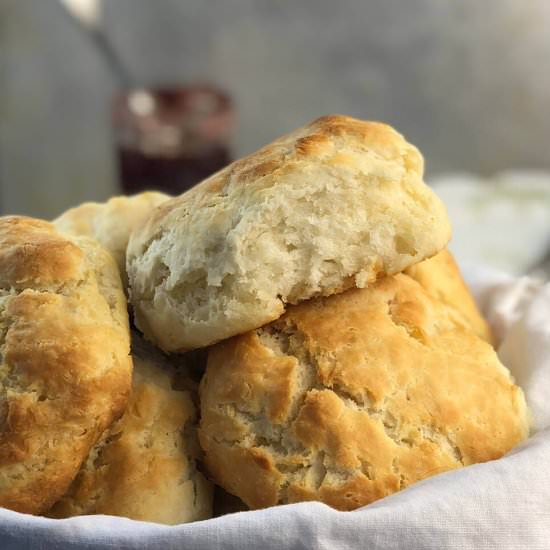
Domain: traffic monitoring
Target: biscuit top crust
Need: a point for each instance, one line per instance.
(325, 139)
(33, 253)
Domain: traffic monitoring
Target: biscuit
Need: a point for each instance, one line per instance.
(328, 207)
(111, 222)
(144, 466)
(441, 278)
(350, 398)
(65, 370)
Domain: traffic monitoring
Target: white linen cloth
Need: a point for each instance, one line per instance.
(504, 504)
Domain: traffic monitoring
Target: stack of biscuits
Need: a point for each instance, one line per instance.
(297, 331)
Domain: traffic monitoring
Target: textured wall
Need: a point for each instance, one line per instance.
(468, 81)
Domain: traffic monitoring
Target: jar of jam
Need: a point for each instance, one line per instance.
(169, 139)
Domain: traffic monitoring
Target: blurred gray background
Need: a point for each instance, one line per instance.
(468, 81)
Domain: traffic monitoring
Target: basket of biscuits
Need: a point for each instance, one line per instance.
(284, 356)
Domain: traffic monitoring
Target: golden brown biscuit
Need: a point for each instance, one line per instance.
(350, 398)
(65, 372)
(327, 207)
(440, 277)
(144, 466)
(111, 222)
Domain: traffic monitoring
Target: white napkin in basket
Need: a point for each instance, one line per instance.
(501, 505)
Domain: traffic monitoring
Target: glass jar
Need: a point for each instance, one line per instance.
(169, 139)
